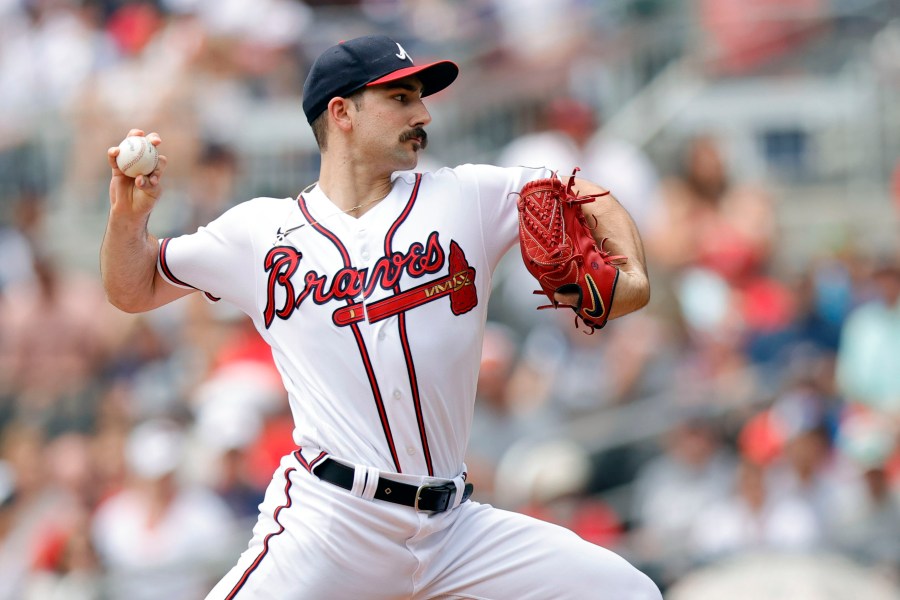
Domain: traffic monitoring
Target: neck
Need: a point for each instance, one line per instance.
(349, 184)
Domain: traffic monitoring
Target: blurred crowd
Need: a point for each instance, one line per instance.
(754, 405)
(763, 402)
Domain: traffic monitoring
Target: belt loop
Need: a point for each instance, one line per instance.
(460, 483)
(371, 475)
(359, 481)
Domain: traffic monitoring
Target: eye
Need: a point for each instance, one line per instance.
(400, 97)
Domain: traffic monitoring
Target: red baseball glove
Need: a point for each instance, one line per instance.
(560, 251)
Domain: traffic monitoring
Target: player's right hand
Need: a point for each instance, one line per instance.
(135, 196)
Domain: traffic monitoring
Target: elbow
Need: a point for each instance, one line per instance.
(128, 295)
(644, 294)
(126, 303)
(632, 294)
(125, 306)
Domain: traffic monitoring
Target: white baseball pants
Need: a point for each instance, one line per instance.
(317, 541)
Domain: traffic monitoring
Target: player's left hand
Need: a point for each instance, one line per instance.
(560, 251)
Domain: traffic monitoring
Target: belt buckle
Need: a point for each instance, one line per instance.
(449, 488)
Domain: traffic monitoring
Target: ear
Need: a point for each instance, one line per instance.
(339, 113)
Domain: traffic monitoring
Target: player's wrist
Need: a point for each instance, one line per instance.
(129, 223)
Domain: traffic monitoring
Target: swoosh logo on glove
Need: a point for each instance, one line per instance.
(597, 309)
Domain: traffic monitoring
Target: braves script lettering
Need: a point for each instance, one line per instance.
(282, 262)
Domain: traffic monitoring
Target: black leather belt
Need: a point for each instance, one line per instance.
(428, 497)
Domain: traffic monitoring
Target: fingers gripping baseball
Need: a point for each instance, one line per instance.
(137, 193)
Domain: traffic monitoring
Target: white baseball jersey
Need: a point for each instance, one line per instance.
(376, 326)
(375, 322)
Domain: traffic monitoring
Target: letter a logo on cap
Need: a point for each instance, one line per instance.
(402, 55)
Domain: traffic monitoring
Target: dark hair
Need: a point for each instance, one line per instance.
(320, 123)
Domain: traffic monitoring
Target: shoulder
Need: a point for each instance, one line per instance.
(477, 173)
(256, 210)
(264, 204)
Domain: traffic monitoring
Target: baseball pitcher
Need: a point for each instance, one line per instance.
(371, 287)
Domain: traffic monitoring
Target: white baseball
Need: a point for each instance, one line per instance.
(137, 156)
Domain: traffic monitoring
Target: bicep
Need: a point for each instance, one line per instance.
(605, 203)
(615, 231)
(609, 219)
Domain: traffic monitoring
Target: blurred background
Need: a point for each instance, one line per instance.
(738, 438)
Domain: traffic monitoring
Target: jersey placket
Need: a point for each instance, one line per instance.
(388, 357)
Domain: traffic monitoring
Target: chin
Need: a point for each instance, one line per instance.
(408, 164)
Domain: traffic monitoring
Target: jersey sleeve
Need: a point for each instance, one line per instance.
(217, 259)
(496, 191)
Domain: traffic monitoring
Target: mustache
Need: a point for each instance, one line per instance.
(418, 132)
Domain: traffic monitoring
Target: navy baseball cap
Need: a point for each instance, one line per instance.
(368, 60)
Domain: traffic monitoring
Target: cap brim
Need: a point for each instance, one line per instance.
(434, 76)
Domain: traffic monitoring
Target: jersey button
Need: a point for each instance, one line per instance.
(410, 450)
(364, 254)
(397, 394)
(381, 335)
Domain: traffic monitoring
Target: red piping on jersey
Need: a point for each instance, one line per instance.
(404, 338)
(360, 343)
(309, 466)
(287, 504)
(168, 272)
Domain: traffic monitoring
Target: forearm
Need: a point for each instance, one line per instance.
(615, 231)
(128, 254)
(128, 258)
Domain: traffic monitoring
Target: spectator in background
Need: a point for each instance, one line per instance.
(153, 537)
(228, 422)
(498, 422)
(19, 231)
(547, 479)
(674, 490)
(822, 295)
(241, 384)
(895, 186)
(752, 518)
(142, 43)
(867, 524)
(868, 361)
(212, 185)
(745, 35)
(34, 506)
(47, 51)
(66, 566)
(565, 373)
(706, 221)
(571, 136)
(805, 469)
(710, 244)
(56, 334)
(554, 30)
(17, 257)
(11, 571)
(75, 574)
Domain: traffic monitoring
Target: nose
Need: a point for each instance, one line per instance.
(422, 117)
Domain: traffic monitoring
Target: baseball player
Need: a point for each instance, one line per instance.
(371, 287)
